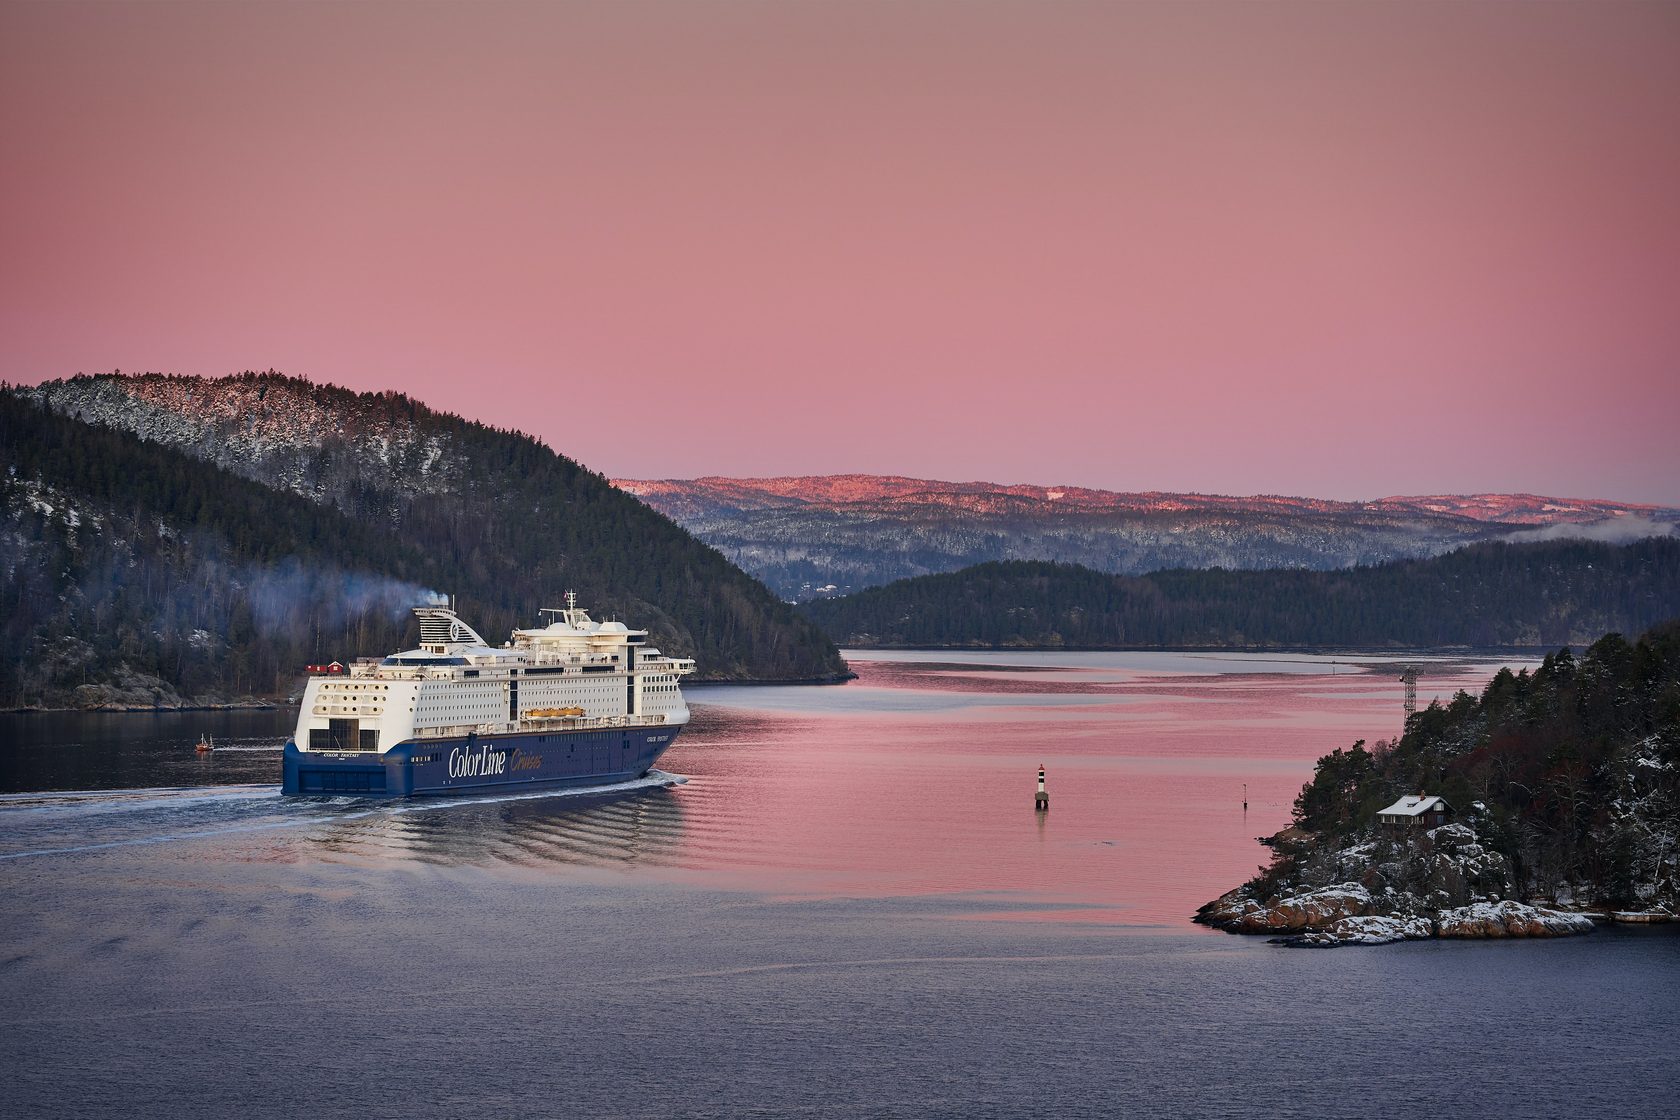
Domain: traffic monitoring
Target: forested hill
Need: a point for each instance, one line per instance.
(1547, 593)
(216, 534)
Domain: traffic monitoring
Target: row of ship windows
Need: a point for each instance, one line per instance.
(530, 689)
(439, 705)
(595, 692)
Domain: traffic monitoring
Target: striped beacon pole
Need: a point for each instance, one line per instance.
(1041, 800)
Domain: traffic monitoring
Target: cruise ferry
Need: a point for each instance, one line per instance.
(573, 703)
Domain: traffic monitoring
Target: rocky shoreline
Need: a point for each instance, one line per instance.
(1440, 883)
(1347, 914)
(128, 690)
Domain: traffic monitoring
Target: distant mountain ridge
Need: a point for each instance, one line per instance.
(212, 534)
(814, 536)
(846, 489)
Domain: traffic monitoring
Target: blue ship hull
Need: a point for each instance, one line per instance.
(480, 763)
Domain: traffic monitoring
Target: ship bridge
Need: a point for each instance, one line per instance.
(575, 637)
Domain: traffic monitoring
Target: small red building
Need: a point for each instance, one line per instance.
(331, 669)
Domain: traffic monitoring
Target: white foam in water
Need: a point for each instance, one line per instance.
(128, 800)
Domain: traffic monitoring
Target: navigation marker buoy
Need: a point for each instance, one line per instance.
(1245, 797)
(1041, 800)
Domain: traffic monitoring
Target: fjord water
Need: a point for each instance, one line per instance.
(850, 908)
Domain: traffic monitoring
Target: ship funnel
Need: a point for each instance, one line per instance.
(441, 627)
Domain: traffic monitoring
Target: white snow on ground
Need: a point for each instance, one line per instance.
(1509, 919)
(1370, 929)
(46, 501)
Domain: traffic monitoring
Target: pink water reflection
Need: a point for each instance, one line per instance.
(918, 779)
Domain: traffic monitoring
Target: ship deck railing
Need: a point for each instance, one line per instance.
(374, 668)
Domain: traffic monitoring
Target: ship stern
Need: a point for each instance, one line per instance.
(309, 774)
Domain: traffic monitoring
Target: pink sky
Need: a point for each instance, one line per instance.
(1343, 250)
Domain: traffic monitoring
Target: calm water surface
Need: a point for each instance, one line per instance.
(850, 909)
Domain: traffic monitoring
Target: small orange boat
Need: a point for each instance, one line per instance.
(205, 746)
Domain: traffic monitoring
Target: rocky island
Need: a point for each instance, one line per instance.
(1443, 882)
(1551, 800)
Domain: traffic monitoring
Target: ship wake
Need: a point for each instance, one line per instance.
(85, 821)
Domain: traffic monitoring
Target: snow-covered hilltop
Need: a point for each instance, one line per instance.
(281, 431)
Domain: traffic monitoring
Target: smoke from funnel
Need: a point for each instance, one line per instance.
(279, 593)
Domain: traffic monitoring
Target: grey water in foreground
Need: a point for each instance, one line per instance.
(849, 910)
